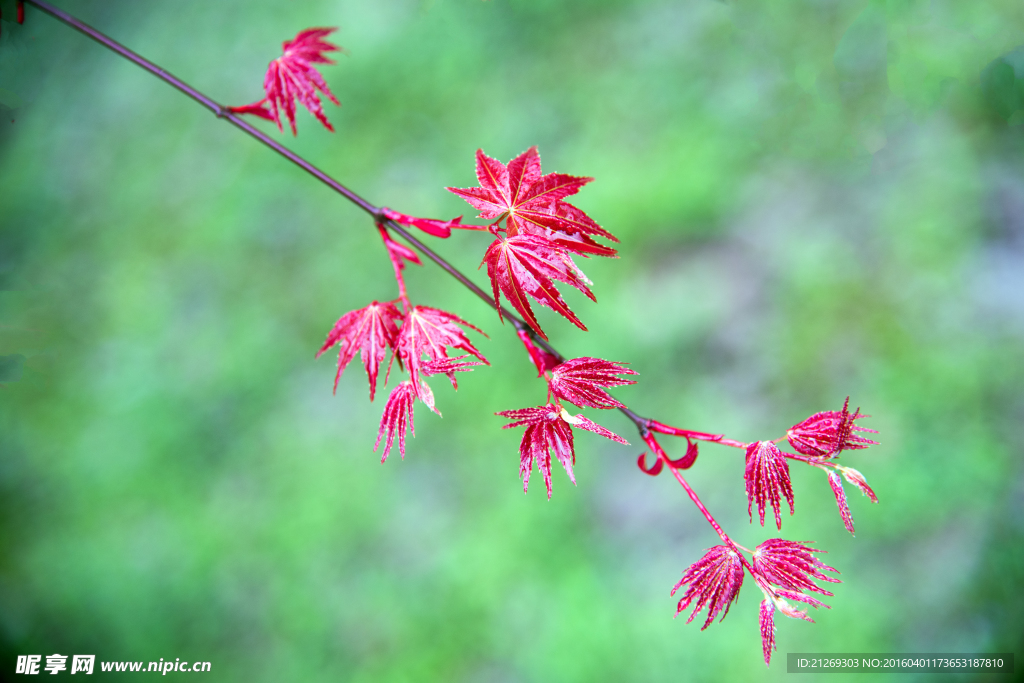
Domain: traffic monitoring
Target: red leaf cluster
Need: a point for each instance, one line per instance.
(714, 581)
(580, 381)
(421, 341)
(825, 434)
(293, 77)
(767, 480)
(787, 570)
(549, 428)
(542, 231)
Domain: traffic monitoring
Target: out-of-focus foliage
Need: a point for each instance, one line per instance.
(814, 198)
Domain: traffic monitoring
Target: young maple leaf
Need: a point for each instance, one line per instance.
(397, 411)
(855, 478)
(825, 434)
(791, 566)
(527, 265)
(767, 629)
(844, 508)
(370, 331)
(532, 203)
(549, 428)
(785, 570)
(431, 332)
(579, 381)
(714, 580)
(766, 476)
(292, 77)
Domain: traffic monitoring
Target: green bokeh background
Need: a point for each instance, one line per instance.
(815, 199)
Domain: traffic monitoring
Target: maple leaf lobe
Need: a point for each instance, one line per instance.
(370, 331)
(581, 381)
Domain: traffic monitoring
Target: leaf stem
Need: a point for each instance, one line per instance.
(660, 452)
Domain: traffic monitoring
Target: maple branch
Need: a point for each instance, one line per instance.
(700, 506)
(377, 213)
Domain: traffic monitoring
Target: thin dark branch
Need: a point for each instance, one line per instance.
(222, 112)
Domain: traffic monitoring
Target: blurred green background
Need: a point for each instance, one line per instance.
(815, 198)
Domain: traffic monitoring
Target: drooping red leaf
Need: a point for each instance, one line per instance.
(767, 629)
(714, 581)
(431, 332)
(844, 508)
(398, 411)
(826, 434)
(528, 265)
(580, 381)
(542, 359)
(767, 476)
(532, 203)
(549, 428)
(369, 331)
(292, 77)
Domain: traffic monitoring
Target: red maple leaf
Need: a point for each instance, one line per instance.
(549, 428)
(370, 331)
(530, 202)
(767, 476)
(579, 381)
(791, 565)
(528, 265)
(827, 433)
(431, 332)
(397, 411)
(292, 77)
(714, 581)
